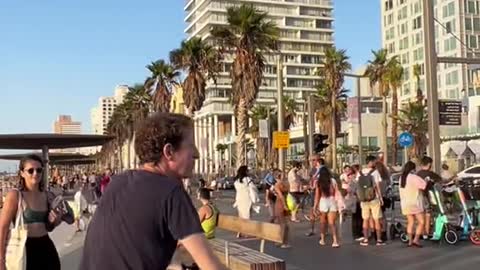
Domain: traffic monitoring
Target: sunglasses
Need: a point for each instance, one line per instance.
(32, 170)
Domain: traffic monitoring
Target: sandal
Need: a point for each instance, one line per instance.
(416, 245)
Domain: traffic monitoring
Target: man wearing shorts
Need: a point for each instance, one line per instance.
(373, 208)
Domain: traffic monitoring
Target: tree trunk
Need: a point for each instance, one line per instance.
(129, 154)
(261, 152)
(242, 125)
(385, 130)
(334, 132)
(394, 125)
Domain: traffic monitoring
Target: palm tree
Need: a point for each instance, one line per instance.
(417, 71)
(377, 70)
(221, 148)
(119, 127)
(160, 83)
(414, 119)
(138, 101)
(324, 114)
(249, 34)
(261, 112)
(335, 66)
(289, 108)
(394, 78)
(201, 62)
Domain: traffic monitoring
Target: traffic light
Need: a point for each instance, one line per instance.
(318, 142)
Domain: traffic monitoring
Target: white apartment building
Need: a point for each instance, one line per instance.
(101, 114)
(306, 29)
(402, 35)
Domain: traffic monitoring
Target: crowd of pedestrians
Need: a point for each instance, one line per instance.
(139, 218)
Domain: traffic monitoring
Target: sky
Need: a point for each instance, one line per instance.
(58, 57)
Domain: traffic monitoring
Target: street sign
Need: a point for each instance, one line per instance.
(405, 139)
(263, 128)
(281, 139)
(450, 112)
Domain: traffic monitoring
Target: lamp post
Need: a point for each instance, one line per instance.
(280, 110)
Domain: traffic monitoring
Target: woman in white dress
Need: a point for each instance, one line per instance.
(246, 193)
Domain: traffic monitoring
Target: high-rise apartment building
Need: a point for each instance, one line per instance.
(65, 125)
(402, 35)
(306, 30)
(101, 114)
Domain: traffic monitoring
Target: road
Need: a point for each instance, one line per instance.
(307, 254)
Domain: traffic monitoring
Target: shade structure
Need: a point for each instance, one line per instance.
(56, 158)
(52, 141)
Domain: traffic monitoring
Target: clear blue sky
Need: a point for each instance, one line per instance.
(58, 57)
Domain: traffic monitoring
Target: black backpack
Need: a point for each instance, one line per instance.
(366, 187)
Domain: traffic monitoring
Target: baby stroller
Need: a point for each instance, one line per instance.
(396, 229)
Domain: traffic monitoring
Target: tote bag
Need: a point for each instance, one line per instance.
(16, 258)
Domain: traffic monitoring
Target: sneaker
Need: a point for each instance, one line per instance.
(335, 245)
(285, 246)
(360, 239)
(425, 237)
(308, 234)
(322, 242)
(364, 243)
(381, 243)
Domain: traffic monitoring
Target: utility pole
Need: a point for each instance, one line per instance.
(431, 84)
(280, 110)
(305, 133)
(311, 123)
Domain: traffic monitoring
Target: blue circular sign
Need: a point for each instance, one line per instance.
(405, 139)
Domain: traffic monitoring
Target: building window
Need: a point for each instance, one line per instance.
(417, 23)
(468, 24)
(388, 5)
(476, 24)
(449, 10)
(470, 7)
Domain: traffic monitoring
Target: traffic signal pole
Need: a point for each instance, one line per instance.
(311, 123)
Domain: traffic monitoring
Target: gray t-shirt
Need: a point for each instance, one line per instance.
(138, 222)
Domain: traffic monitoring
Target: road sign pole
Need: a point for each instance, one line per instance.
(405, 152)
(431, 84)
(280, 110)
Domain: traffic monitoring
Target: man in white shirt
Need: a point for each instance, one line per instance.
(372, 209)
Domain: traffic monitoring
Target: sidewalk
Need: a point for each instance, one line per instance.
(69, 245)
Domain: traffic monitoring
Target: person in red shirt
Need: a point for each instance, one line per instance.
(105, 180)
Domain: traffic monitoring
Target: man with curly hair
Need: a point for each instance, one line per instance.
(144, 213)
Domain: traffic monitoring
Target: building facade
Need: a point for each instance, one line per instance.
(100, 115)
(306, 30)
(65, 125)
(402, 35)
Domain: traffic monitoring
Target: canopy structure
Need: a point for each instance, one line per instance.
(56, 158)
(50, 141)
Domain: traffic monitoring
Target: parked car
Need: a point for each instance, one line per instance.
(225, 182)
(472, 172)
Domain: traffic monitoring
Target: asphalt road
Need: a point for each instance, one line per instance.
(307, 254)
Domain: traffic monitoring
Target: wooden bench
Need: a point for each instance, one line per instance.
(239, 257)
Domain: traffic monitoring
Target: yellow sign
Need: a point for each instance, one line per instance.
(281, 139)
